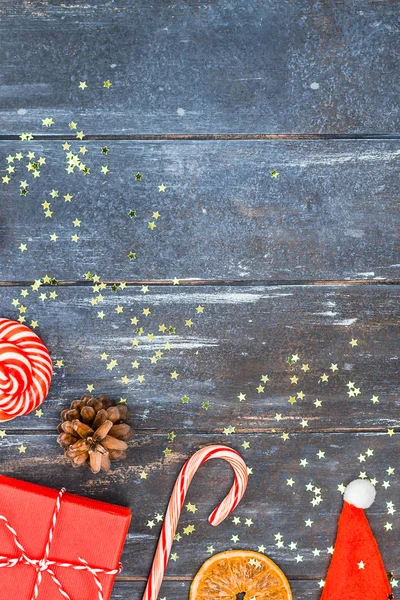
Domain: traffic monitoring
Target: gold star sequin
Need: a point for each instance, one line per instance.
(189, 529)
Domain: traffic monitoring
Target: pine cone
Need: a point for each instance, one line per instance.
(94, 431)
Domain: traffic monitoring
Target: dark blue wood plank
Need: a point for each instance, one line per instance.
(273, 506)
(331, 213)
(215, 66)
(179, 590)
(243, 334)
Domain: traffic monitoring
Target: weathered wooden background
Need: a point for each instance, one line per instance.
(208, 99)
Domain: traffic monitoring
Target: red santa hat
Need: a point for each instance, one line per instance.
(356, 571)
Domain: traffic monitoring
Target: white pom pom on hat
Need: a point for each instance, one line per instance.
(360, 493)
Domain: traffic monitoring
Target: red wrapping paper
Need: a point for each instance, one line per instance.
(89, 529)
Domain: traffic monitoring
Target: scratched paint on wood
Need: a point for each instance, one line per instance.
(227, 357)
(202, 210)
(290, 508)
(301, 379)
(190, 67)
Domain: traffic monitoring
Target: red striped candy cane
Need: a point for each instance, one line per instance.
(25, 370)
(176, 502)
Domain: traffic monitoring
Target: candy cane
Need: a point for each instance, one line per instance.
(176, 502)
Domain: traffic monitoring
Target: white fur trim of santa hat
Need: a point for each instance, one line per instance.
(360, 493)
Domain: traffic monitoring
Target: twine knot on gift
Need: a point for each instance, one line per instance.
(44, 565)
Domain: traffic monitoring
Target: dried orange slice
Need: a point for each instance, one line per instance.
(240, 574)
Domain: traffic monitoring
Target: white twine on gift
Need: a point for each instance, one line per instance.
(43, 565)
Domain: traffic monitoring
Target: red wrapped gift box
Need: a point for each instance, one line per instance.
(64, 539)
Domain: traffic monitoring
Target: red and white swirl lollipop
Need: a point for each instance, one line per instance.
(25, 370)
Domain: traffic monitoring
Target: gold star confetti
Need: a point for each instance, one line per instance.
(229, 430)
(189, 529)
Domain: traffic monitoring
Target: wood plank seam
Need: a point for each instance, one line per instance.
(217, 282)
(273, 431)
(214, 136)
